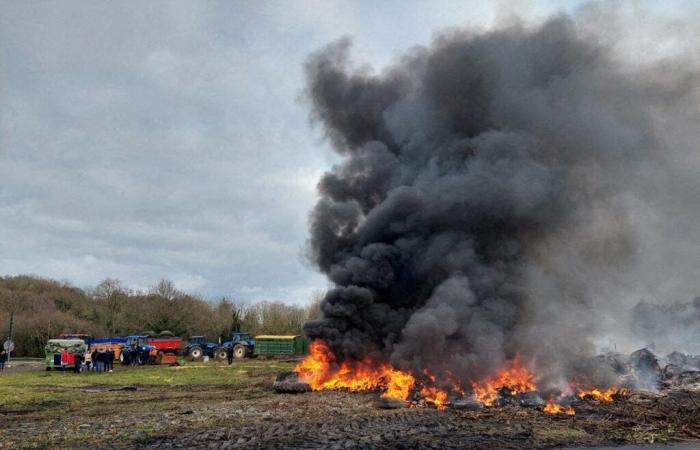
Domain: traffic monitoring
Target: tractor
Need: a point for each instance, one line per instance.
(136, 348)
(198, 346)
(243, 345)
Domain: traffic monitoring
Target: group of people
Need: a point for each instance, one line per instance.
(3, 359)
(135, 356)
(95, 361)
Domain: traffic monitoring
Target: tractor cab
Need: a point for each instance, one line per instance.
(241, 337)
(138, 341)
(198, 340)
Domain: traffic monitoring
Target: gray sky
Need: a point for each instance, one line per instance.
(142, 140)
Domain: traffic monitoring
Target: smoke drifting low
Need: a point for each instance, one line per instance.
(485, 197)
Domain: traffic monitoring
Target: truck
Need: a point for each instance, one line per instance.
(165, 349)
(55, 349)
(272, 345)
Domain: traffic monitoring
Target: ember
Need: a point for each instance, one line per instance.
(554, 408)
(606, 395)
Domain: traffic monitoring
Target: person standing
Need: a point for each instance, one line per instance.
(100, 362)
(229, 354)
(88, 360)
(110, 360)
(94, 360)
(78, 363)
(3, 360)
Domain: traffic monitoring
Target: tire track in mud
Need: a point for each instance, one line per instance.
(427, 429)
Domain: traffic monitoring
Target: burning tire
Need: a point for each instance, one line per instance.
(289, 383)
(239, 351)
(220, 354)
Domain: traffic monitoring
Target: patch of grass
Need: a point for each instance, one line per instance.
(42, 388)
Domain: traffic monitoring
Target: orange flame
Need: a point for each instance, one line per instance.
(554, 408)
(435, 395)
(601, 395)
(516, 378)
(321, 370)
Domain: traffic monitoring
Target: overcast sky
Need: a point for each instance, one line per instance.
(148, 140)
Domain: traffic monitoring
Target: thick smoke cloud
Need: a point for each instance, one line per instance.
(483, 199)
(668, 328)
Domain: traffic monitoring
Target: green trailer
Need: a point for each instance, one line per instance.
(270, 345)
(55, 347)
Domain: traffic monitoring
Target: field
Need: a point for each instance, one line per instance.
(213, 405)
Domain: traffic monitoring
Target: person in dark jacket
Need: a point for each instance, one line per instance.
(3, 360)
(78, 363)
(100, 361)
(94, 360)
(110, 360)
(229, 354)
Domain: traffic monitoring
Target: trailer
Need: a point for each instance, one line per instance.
(55, 348)
(165, 349)
(106, 344)
(271, 345)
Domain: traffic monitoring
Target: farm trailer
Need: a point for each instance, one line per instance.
(271, 345)
(114, 344)
(165, 349)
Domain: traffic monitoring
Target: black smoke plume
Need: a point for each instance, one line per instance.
(483, 195)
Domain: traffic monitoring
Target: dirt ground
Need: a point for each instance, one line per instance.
(212, 406)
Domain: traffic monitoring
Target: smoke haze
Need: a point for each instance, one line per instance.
(497, 197)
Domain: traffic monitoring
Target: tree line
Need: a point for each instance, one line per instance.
(46, 308)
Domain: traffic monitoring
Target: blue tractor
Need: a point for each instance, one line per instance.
(198, 346)
(243, 345)
(136, 349)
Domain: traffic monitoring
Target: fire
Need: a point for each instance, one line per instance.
(435, 395)
(516, 379)
(399, 384)
(321, 370)
(554, 408)
(601, 395)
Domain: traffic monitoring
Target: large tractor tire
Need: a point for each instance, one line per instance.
(220, 354)
(196, 353)
(240, 351)
(289, 383)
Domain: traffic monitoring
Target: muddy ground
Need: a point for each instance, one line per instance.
(212, 406)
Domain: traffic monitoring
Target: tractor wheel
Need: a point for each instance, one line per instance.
(239, 351)
(220, 354)
(289, 383)
(196, 352)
